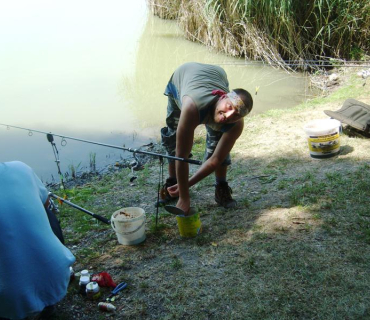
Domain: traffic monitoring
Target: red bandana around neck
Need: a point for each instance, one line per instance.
(219, 93)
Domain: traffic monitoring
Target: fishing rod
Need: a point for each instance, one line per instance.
(358, 63)
(96, 216)
(50, 137)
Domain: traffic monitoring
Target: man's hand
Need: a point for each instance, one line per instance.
(173, 191)
(184, 205)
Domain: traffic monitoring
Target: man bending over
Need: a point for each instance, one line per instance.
(199, 94)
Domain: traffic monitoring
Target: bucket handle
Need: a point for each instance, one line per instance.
(129, 232)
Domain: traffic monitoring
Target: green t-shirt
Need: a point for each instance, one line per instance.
(198, 80)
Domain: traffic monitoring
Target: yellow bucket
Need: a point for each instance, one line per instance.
(190, 225)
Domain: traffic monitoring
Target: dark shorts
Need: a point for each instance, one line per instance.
(168, 134)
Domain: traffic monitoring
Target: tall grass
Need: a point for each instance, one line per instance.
(275, 30)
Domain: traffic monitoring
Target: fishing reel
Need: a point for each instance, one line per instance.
(53, 207)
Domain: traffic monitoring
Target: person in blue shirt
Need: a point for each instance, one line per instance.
(34, 263)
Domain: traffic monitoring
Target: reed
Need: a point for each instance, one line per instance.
(165, 9)
(274, 30)
(92, 161)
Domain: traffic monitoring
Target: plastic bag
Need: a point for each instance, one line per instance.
(103, 279)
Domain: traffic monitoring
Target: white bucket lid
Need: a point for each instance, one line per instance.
(85, 273)
(322, 126)
(92, 286)
(84, 280)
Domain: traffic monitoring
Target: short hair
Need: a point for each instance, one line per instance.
(246, 98)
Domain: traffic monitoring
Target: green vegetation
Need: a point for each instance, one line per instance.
(274, 31)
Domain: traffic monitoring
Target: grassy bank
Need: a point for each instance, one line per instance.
(296, 247)
(274, 31)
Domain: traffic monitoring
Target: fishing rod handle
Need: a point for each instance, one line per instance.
(102, 219)
(193, 161)
(96, 216)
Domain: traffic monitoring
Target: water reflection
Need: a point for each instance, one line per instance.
(99, 74)
(162, 49)
(62, 62)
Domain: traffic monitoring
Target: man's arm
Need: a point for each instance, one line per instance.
(189, 120)
(223, 148)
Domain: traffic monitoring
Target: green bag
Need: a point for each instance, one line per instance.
(354, 113)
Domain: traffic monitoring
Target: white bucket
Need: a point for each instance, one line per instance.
(129, 225)
(323, 138)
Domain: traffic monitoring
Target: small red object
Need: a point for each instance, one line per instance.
(103, 279)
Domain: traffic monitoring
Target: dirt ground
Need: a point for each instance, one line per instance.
(165, 270)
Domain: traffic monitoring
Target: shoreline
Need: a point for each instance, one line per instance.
(134, 162)
(327, 83)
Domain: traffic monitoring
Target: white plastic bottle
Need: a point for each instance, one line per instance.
(83, 282)
(105, 306)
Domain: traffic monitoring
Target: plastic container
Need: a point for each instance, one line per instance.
(71, 274)
(85, 273)
(190, 225)
(83, 283)
(129, 225)
(323, 136)
(105, 306)
(92, 291)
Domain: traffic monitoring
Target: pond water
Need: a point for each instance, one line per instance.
(97, 70)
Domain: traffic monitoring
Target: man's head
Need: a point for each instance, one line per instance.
(233, 106)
